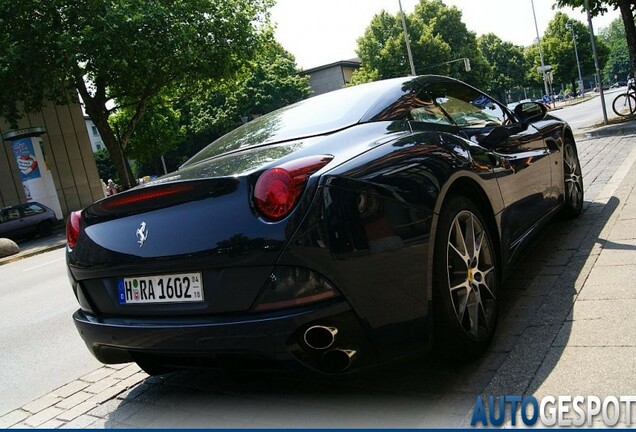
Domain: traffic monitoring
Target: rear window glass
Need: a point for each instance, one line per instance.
(314, 116)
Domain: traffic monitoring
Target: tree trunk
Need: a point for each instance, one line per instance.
(630, 30)
(114, 148)
(95, 106)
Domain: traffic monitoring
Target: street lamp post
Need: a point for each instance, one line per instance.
(543, 68)
(406, 38)
(598, 70)
(570, 25)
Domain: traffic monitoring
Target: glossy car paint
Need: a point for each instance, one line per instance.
(365, 223)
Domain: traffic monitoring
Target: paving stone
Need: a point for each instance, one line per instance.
(12, 418)
(74, 400)
(69, 389)
(102, 385)
(106, 394)
(51, 424)
(606, 371)
(126, 372)
(41, 403)
(43, 416)
(133, 380)
(76, 411)
(80, 422)
(98, 374)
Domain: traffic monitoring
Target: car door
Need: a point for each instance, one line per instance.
(524, 176)
(12, 224)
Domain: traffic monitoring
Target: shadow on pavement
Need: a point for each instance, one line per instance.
(425, 392)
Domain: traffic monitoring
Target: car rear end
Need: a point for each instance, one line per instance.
(183, 273)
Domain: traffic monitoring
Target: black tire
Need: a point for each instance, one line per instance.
(624, 104)
(154, 368)
(45, 228)
(465, 281)
(573, 181)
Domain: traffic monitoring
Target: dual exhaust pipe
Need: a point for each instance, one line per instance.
(322, 338)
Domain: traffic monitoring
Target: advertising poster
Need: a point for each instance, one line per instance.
(27, 162)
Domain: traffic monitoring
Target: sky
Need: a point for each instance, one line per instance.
(319, 32)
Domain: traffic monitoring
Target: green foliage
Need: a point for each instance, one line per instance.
(558, 51)
(597, 7)
(122, 50)
(158, 132)
(618, 66)
(627, 9)
(508, 64)
(268, 82)
(437, 35)
(105, 166)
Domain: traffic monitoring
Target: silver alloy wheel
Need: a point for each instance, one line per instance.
(573, 178)
(471, 274)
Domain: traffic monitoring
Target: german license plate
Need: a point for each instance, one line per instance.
(175, 288)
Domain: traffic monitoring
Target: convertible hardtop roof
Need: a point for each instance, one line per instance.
(318, 115)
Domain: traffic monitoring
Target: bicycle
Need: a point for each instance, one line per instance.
(625, 104)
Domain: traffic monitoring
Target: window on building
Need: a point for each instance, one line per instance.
(95, 132)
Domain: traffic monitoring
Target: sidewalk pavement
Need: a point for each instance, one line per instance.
(566, 328)
(37, 246)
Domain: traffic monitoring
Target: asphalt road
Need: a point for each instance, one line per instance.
(589, 113)
(40, 349)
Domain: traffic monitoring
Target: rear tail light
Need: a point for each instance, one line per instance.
(73, 228)
(278, 189)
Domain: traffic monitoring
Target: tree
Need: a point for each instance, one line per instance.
(123, 51)
(508, 64)
(599, 7)
(105, 166)
(158, 132)
(268, 82)
(437, 35)
(618, 65)
(558, 51)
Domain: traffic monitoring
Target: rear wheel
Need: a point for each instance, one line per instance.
(45, 228)
(573, 180)
(465, 280)
(624, 104)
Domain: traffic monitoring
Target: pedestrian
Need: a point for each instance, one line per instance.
(111, 188)
(104, 187)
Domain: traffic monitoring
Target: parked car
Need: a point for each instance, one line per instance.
(347, 230)
(25, 220)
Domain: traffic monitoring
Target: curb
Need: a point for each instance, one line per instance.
(606, 131)
(45, 245)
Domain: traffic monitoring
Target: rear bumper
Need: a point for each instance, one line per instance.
(180, 342)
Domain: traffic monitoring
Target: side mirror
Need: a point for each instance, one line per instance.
(528, 112)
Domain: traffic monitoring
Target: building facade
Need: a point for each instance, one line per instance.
(63, 145)
(93, 135)
(332, 76)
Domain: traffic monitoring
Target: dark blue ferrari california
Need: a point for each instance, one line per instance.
(345, 231)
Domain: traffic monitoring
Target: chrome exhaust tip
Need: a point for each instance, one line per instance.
(320, 337)
(338, 360)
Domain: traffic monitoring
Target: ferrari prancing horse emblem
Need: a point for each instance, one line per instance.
(142, 234)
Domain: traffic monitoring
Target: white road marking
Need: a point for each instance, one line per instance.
(42, 265)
